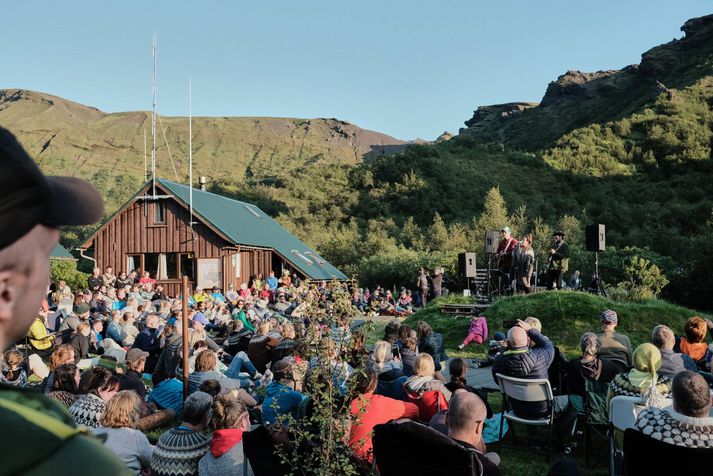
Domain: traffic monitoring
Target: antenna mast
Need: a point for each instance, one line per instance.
(190, 155)
(145, 171)
(153, 121)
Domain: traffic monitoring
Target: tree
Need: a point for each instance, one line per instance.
(437, 234)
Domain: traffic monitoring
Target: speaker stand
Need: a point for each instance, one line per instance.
(599, 285)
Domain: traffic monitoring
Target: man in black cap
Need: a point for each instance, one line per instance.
(557, 261)
(32, 208)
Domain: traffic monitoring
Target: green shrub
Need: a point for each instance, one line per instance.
(66, 270)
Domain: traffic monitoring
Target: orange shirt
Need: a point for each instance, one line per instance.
(377, 409)
(695, 351)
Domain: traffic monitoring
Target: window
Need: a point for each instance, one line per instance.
(187, 265)
(159, 216)
(172, 266)
(133, 263)
(151, 264)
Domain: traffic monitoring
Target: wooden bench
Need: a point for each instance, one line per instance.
(457, 310)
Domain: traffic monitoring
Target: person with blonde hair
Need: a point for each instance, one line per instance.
(423, 379)
(229, 420)
(206, 364)
(118, 426)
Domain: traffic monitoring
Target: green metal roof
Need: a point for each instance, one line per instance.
(246, 224)
(60, 252)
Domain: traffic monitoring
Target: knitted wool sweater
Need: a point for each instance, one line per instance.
(676, 429)
(63, 397)
(178, 451)
(88, 410)
(621, 386)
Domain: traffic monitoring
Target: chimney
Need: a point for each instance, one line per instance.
(201, 182)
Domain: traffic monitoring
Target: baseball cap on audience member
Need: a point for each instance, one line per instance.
(200, 317)
(31, 198)
(81, 309)
(609, 317)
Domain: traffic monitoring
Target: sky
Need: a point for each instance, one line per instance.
(411, 69)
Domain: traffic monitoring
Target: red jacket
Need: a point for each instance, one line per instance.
(370, 410)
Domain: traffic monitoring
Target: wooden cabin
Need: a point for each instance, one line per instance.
(226, 241)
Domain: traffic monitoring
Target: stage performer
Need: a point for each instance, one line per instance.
(506, 246)
(523, 263)
(558, 261)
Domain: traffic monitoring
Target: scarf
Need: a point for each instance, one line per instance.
(223, 440)
(647, 360)
(592, 369)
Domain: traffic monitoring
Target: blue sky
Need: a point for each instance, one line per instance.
(407, 68)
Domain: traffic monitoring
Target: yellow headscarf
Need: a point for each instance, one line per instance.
(647, 361)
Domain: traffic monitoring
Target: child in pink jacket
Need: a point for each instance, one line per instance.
(478, 331)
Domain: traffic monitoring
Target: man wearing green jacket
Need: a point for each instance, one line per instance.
(38, 435)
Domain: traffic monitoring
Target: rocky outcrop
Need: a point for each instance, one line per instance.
(446, 136)
(575, 84)
(497, 112)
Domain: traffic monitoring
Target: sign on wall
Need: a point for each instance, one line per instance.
(210, 273)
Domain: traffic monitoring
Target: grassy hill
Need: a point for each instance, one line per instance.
(70, 138)
(565, 316)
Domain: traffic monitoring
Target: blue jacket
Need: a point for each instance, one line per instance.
(279, 400)
(529, 364)
(168, 395)
(113, 331)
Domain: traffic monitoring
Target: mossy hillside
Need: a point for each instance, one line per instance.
(565, 316)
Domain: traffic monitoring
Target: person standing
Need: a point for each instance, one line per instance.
(44, 437)
(558, 261)
(523, 259)
(422, 285)
(506, 247)
(437, 281)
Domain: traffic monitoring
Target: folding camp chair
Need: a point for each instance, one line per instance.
(526, 390)
(596, 415)
(622, 416)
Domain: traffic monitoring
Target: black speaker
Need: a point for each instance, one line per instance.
(492, 238)
(466, 265)
(595, 237)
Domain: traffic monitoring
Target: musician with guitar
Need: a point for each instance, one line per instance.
(506, 246)
(557, 261)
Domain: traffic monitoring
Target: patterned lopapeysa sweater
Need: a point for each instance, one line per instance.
(621, 386)
(178, 452)
(674, 428)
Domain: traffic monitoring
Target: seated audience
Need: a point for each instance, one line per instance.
(431, 343)
(117, 426)
(179, 450)
(280, 396)
(419, 388)
(229, 420)
(523, 361)
(671, 362)
(612, 345)
(693, 343)
(369, 410)
(80, 341)
(167, 392)
(478, 331)
(689, 422)
(587, 367)
(131, 378)
(458, 370)
(89, 409)
(643, 380)
(465, 420)
(65, 385)
(206, 364)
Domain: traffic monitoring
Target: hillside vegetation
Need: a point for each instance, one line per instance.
(628, 148)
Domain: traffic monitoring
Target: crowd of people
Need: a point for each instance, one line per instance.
(90, 373)
(670, 376)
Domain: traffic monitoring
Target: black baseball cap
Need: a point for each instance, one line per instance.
(29, 198)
